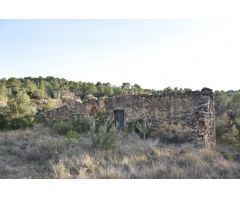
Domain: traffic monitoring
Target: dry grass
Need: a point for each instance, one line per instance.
(37, 153)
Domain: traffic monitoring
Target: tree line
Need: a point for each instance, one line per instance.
(18, 96)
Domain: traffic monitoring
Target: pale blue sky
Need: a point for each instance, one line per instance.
(152, 53)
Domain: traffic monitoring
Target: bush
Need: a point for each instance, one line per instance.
(141, 127)
(102, 117)
(21, 122)
(50, 104)
(38, 94)
(89, 97)
(72, 136)
(82, 125)
(20, 105)
(104, 138)
(3, 121)
(62, 127)
(230, 137)
(6, 122)
(221, 127)
(237, 122)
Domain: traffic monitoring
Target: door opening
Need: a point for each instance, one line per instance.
(119, 119)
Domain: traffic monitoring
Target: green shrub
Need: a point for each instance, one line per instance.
(89, 97)
(101, 118)
(3, 122)
(39, 94)
(72, 136)
(62, 127)
(50, 104)
(237, 122)
(20, 105)
(221, 127)
(130, 126)
(231, 137)
(141, 127)
(21, 122)
(82, 125)
(16, 122)
(104, 138)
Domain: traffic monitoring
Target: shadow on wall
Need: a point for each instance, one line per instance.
(187, 116)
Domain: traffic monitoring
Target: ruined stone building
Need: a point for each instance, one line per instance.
(63, 93)
(187, 116)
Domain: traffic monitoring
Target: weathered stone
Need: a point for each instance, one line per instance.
(185, 116)
(63, 94)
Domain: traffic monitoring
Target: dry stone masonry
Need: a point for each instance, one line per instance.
(181, 117)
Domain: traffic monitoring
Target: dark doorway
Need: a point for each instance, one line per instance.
(119, 119)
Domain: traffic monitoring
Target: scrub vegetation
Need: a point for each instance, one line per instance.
(86, 149)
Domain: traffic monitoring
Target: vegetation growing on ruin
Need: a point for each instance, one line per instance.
(57, 149)
(20, 99)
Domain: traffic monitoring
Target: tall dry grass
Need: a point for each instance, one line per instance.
(51, 155)
(134, 157)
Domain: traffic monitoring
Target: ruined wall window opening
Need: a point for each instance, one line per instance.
(119, 119)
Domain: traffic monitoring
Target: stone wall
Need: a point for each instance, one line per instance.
(185, 117)
(63, 94)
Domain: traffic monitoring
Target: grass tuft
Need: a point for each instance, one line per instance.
(37, 152)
